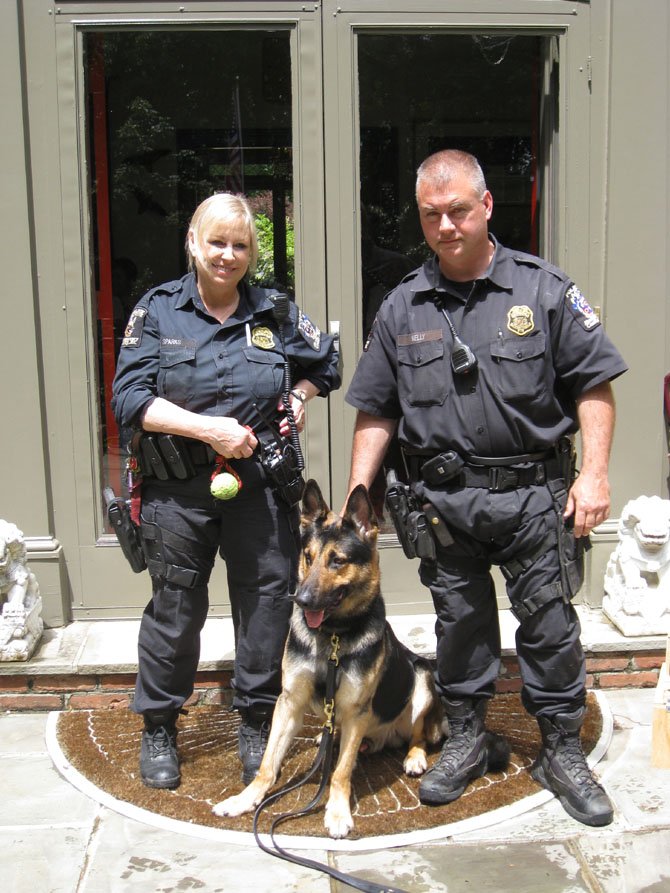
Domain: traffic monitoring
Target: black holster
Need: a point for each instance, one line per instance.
(409, 519)
(127, 533)
(571, 549)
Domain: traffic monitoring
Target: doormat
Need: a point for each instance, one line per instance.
(98, 751)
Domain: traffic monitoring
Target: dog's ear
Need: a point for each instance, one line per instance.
(314, 507)
(360, 512)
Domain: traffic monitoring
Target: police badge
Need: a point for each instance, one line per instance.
(262, 337)
(520, 319)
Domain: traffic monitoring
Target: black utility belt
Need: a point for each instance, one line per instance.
(495, 474)
(170, 457)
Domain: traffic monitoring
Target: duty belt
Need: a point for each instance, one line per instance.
(494, 474)
(166, 456)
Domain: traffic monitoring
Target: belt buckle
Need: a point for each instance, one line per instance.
(503, 478)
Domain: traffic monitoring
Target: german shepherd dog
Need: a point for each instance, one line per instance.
(385, 693)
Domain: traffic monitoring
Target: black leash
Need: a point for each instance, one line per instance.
(324, 758)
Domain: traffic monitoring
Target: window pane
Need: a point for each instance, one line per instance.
(492, 95)
(174, 116)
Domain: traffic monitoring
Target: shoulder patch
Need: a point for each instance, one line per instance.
(132, 337)
(370, 334)
(581, 309)
(310, 332)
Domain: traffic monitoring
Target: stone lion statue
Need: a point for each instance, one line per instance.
(21, 623)
(637, 577)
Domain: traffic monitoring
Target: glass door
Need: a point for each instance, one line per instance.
(490, 89)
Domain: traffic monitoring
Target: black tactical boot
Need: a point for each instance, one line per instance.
(159, 763)
(561, 767)
(464, 754)
(253, 739)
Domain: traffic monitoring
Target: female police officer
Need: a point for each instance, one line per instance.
(203, 363)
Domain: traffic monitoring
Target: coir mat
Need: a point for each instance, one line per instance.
(98, 752)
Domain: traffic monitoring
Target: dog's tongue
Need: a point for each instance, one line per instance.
(314, 619)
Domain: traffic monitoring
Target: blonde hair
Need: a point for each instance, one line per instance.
(231, 210)
(440, 168)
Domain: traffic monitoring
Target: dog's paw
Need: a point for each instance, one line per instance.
(232, 806)
(338, 824)
(415, 762)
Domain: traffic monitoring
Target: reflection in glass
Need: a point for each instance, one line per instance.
(174, 116)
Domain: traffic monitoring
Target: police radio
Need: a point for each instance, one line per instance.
(462, 358)
(280, 303)
(281, 458)
(282, 466)
(280, 311)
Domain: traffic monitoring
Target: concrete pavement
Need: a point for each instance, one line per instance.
(56, 839)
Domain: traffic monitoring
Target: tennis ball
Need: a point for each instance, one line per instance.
(224, 486)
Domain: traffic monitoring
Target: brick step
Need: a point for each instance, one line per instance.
(92, 664)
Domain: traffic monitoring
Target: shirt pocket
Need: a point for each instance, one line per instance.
(422, 378)
(519, 366)
(266, 373)
(176, 373)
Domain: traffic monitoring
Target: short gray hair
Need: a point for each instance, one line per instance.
(441, 167)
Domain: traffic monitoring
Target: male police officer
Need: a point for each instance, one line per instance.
(487, 360)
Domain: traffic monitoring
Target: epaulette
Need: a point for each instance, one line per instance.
(530, 260)
(408, 278)
(168, 288)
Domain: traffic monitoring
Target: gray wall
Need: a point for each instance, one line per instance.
(634, 45)
(24, 448)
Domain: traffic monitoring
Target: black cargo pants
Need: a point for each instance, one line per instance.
(183, 528)
(495, 528)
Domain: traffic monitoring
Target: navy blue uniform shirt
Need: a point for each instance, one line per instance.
(538, 346)
(173, 348)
